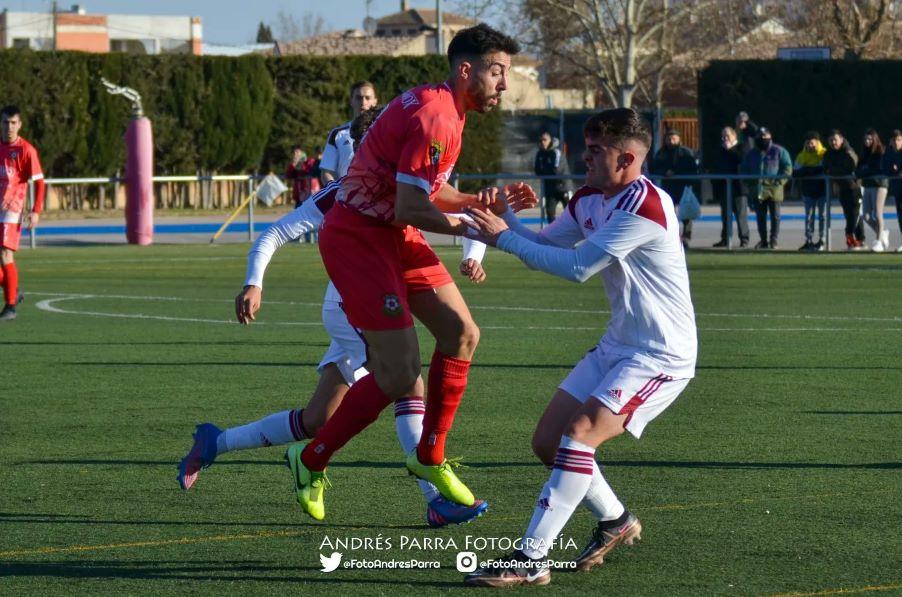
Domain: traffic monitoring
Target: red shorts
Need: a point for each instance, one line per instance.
(375, 266)
(9, 236)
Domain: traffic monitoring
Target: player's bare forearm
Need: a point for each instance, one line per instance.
(450, 200)
(413, 207)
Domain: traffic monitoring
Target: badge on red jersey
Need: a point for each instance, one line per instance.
(13, 154)
(391, 305)
(435, 151)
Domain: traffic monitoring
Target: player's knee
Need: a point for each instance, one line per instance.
(6, 256)
(398, 379)
(469, 336)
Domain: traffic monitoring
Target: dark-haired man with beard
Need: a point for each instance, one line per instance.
(386, 272)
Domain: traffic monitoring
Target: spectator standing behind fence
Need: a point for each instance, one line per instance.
(747, 130)
(728, 161)
(300, 175)
(839, 163)
(870, 172)
(675, 160)
(892, 167)
(550, 161)
(766, 194)
(808, 166)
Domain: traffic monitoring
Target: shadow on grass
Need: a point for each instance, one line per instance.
(207, 571)
(39, 518)
(700, 464)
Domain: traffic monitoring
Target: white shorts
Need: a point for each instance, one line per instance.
(347, 349)
(626, 385)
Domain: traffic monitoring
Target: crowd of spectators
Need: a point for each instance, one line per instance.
(860, 181)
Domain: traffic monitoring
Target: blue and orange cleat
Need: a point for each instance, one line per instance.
(441, 512)
(201, 455)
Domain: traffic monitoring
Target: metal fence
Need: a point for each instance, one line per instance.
(247, 184)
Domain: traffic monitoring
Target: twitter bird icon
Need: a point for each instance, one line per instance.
(330, 563)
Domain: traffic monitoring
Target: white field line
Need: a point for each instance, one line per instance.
(49, 305)
(523, 309)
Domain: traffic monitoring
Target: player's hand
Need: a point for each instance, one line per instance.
(247, 303)
(519, 196)
(473, 270)
(488, 197)
(488, 225)
(33, 220)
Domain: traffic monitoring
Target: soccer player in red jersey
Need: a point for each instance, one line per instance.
(386, 272)
(20, 164)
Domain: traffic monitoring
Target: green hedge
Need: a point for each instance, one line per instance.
(792, 97)
(210, 113)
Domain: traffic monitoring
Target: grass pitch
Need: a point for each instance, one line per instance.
(776, 472)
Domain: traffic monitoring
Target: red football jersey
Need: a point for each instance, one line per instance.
(20, 163)
(416, 140)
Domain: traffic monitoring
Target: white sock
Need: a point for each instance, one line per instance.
(272, 430)
(565, 489)
(600, 498)
(409, 414)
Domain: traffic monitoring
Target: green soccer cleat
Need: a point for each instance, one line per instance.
(442, 477)
(308, 485)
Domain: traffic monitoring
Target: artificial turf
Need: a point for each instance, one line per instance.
(777, 471)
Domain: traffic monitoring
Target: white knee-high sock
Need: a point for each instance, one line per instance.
(565, 489)
(272, 430)
(600, 498)
(409, 414)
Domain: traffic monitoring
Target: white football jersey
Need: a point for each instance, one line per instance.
(339, 150)
(647, 284)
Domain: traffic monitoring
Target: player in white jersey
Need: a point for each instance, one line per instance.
(339, 150)
(341, 366)
(624, 227)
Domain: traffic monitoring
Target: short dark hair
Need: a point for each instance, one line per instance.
(812, 135)
(361, 124)
(360, 84)
(895, 133)
(620, 124)
(297, 148)
(10, 110)
(480, 40)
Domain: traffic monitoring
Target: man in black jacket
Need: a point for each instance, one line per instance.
(675, 160)
(839, 163)
(728, 160)
(550, 161)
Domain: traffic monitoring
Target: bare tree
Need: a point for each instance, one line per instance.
(290, 27)
(625, 45)
(858, 23)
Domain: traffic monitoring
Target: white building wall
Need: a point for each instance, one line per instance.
(37, 27)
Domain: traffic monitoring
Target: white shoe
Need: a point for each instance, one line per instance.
(899, 250)
(884, 238)
(877, 246)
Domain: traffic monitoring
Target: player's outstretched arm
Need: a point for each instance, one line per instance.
(306, 218)
(576, 265)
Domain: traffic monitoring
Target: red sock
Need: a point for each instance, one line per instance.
(360, 407)
(10, 283)
(447, 382)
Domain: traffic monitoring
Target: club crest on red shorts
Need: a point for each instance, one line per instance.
(391, 305)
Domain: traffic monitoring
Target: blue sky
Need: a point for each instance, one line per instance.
(232, 21)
